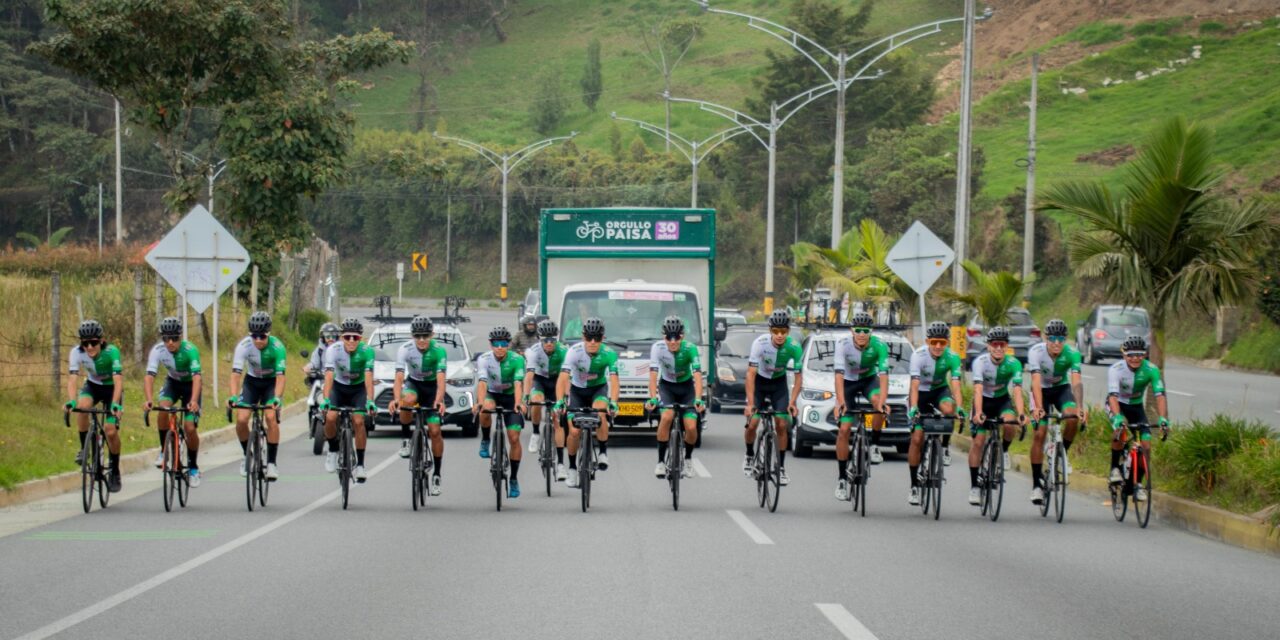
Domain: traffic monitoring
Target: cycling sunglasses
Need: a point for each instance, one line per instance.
(1057, 338)
(500, 343)
(549, 340)
(999, 344)
(258, 336)
(422, 336)
(351, 338)
(862, 330)
(90, 343)
(171, 338)
(938, 342)
(592, 339)
(780, 331)
(1135, 354)
(672, 337)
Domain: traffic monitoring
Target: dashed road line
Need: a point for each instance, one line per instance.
(699, 469)
(845, 623)
(1181, 393)
(752, 531)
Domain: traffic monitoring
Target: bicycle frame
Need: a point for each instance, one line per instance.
(498, 462)
(174, 453)
(586, 457)
(93, 466)
(346, 449)
(421, 458)
(858, 473)
(932, 474)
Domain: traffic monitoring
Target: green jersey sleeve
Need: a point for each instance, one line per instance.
(193, 358)
(276, 347)
(882, 356)
(113, 355)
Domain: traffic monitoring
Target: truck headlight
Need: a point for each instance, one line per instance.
(725, 374)
(815, 394)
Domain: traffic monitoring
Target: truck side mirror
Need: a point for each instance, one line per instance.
(720, 331)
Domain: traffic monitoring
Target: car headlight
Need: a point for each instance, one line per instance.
(725, 373)
(815, 394)
(461, 382)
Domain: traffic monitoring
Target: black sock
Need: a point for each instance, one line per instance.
(1005, 445)
(244, 446)
(162, 435)
(1066, 444)
(333, 445)
(875, 437)
(272, 448)
(115, 462)
(1115, 459)
(536, 427)
(662, 451)
(486, 433)
(782, 458)
(946, 441)
(973, 476)
(360, 457)
(191, 458)
(515, 469)
(404, 431)
(439, 461)
(84, 435)
(573, 462)
(688, 451)
(840, 469)
(604, 446)
(914, 469)
(1036, 470)
(751, 449)
(560, 455)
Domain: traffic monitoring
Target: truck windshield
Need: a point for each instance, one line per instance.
(630, 316)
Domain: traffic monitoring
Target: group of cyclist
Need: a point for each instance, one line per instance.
(584, 378)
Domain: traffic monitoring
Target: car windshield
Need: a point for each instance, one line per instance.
(821, 357)
(1019, 318)
(1124, 318)
(451, 342)
(630, 316)
(731, 319)
(737, 344)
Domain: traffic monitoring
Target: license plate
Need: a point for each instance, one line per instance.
(631, 408)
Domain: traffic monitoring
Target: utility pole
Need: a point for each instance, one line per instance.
(119, 180)
(1029, 227)
(963, 153)
(695, 151)
(837, 166)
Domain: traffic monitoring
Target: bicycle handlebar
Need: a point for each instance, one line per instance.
(1137, 426)
(66, 415)
(146, 415)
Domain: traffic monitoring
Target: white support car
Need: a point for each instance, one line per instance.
(817, 424)
(459, 378)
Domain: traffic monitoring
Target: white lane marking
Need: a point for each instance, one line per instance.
(213, 554)
(1181, 393)
(699, 469)
(1087, 376)
(749, 527)
(845, 623)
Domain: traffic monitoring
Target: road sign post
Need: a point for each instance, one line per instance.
(919, 258)
(400, 282)
(201, 259)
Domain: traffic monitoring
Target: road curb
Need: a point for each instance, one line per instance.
(41, 488)
(1234, 529)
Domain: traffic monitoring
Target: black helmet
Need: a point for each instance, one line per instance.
(259, 322)
(593, 328)
(527, 319)
(862, 320)
(779, 318)
(422, 326)
(90, 330)
(499, 333)
(672, 325)
(352, 325)
(548, 329)
(329, 331)
(997, 334)
(1056, 327)
(1135, 343)
(938, 330)
(170, 326)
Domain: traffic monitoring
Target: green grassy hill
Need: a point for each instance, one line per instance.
(486, 96)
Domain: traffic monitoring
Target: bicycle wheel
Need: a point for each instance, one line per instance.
(168, 478)
(317, 434)
(766, 464)
(101, 467)
(415, 469)
(936, 477)
(250, 472)
(675, 464)
(1119, 502)
(857, 483)
(497, 465)
(775, 477)
(264, 486)
(546, 451)
(1046, 485)
(1059, 482)
(996, 474)
(924, 479)
(1143, 509)
(89, 456)
(584, 471)
(344, 462)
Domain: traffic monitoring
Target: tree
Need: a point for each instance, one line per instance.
(548, 105)
(615, 141)
(991, 293)
(665, 45)
(1168, 241)
(53, 241)
(592, 84)
(857, 266)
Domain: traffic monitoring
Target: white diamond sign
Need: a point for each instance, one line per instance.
(919, 258)
(199, 258)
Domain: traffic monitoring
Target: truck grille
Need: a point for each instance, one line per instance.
(384, 400)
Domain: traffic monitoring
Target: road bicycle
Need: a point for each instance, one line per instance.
(1053, 478)
(932, 473)
(94, 463)
(422, 461)
(588, 451)
(1135, 460)
(858, 471)
(173, 467)
(766, 466)
(346, 449)
(547, 444)
(256, 485)
(675, 448)
(991, 466)
(499, 462)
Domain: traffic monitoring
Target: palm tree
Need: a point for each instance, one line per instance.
(991, 293)
(1167, 241)
(53, 241)
(857, 265)
(806, 272)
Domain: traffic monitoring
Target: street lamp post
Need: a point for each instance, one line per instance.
(505, 163)
(694, 150)
(840, 79)
(215, 170)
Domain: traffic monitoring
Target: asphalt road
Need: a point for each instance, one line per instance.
(720, 567)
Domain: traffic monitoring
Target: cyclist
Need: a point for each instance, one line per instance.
(421, 365)
(589, 366)
(348, 382)
(935, 385)
(675, 377)
(1127, 383)
(257, 377)
(994, 374)
(772, 356)
(500, 385)
(104, 385)
(542, 364)
(314, 368)
(1055, 382)
(182, 384)
(860, 360)
(527, 336)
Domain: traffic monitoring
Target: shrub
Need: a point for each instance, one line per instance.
(309, 322)
(1200, 450)
(1212, 27)
(1250, 479)
(1096, 33)
(1157, 27)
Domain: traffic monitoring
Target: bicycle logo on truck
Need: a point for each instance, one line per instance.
(628, 230)
(589, 229)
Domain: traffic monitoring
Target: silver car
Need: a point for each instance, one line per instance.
(817, 424)
(459, 377)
